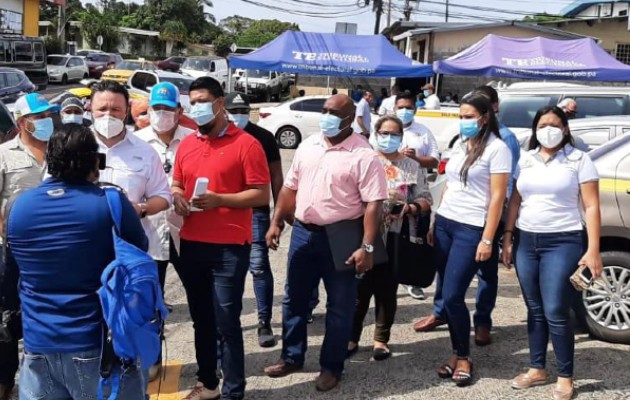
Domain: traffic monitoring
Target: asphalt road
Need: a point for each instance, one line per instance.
(601, 368)
(54, 89)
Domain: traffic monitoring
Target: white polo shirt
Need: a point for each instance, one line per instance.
(550, 190)
(136, 167)
(362, 110)
(387, 106)
(432, 102)
(167, 154)
(469, 203)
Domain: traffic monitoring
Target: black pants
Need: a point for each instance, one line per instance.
(9, 357)
(163, 264)
(380, 283)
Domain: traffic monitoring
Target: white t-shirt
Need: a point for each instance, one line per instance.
(432, 102)
(387, 106)
(469, 203)
(363, 110)
(550, 191)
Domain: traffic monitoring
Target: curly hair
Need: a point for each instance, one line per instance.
(72, 153)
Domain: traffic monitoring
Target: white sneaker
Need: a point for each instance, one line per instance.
(416, 292)
(200, 392)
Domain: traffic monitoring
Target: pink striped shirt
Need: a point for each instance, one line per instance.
(333, 183)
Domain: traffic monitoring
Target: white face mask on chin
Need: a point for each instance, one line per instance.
(108, 126)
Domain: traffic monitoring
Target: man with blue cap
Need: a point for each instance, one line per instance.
(21, 168)
(164, 134)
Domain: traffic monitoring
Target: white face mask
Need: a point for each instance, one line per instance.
(162, 120)
(108, 126)
(550, 136)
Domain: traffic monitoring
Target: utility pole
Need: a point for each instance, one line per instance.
(378, 8)
(61, 25)
(407, 11)
(446, 13)
(389, 13)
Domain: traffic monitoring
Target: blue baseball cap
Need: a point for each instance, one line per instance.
(32, 103)
(164, 93)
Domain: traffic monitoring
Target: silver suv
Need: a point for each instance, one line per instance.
(607, 302)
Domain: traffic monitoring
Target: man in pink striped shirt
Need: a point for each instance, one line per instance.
(335, 176)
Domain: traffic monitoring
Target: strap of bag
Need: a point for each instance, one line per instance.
(115, 207)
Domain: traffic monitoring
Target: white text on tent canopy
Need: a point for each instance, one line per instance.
(350, 58)
(541, 61)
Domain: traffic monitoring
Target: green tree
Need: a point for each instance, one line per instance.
(263, 31)
(235, 24)
(543, 17)
(222, 44)
(95, 23)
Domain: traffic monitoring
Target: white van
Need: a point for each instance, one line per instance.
(214, 67)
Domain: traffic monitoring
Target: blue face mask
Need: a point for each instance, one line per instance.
(43, 129)
(202, 113)
(388, 143)
(329, 124)
(427, 93)
(239, 120)
(71, 119)
(405, 115)
(469, 128)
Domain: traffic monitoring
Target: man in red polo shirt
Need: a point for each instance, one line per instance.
(215, 242)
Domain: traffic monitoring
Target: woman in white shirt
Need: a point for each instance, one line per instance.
(467, 219)
(552, 178)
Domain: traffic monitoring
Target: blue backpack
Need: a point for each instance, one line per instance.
(132, 303)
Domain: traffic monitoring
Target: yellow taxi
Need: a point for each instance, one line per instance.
(125, 68)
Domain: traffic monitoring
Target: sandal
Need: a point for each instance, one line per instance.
(445, 371)
(461, 377)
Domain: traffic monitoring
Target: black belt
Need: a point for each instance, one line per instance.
(312, 227)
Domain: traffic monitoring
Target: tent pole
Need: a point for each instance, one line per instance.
(229, 82)
(328, 85)
(437, 83)
(246, 83)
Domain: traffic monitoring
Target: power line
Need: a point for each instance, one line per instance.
(306, 13)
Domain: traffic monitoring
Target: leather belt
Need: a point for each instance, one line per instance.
(312, 227)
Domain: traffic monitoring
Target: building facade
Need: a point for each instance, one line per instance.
(19, 17)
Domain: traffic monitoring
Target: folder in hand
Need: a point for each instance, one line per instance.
(346, 237)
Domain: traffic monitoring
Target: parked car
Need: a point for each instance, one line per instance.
(214, 67)
(27, 54)
(141, 82)
(13, 84)
(607, 302)
(101, 62)
(295, 120)
(63, 68)
(85, 52)
(8, 127)
(172, 64)
(124, 70)
(263, 85)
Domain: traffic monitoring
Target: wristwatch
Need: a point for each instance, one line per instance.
(486, 242)
(368, 248)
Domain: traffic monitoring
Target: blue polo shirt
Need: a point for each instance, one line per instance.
(60, 234)
(512, 143)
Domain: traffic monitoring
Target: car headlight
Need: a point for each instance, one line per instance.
(99, 67)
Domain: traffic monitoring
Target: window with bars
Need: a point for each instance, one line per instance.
(623, 52)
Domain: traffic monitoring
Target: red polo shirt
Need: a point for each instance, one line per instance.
(231, 163)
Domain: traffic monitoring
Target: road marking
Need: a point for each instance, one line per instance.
(169, 390)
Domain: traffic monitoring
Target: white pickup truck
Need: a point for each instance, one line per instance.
(263, 85)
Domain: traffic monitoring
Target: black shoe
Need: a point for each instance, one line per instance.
(352, 352)
(380, 354)
(265, 335)
(309, 317)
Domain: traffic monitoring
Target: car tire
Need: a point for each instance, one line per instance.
(41, 88)
(288, 137)
(86, 75)
(604, 297)
(267, 97)
(64, 79)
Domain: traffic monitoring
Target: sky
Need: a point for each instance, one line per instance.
(324, 14)
(334, 11)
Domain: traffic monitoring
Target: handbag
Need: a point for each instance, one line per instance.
(411, 257)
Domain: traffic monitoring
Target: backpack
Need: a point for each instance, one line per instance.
(132, 304)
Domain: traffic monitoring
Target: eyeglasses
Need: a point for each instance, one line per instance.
(167, 166)
(388, 133)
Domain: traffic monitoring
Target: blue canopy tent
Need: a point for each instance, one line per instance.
(332, 55)
(535, 58)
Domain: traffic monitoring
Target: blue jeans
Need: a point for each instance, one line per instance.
(544, 262)
(309, 261)
(455, 252)
(73, 376)
(214, 278)
(487, 288)
(260, 267)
